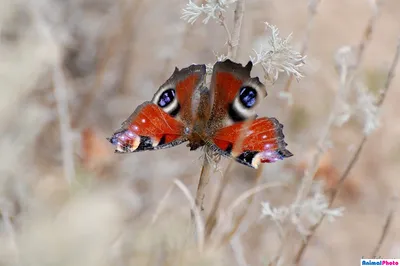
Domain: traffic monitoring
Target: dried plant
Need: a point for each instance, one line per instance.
(276, 55)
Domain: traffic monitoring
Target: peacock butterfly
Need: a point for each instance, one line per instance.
(184, 109)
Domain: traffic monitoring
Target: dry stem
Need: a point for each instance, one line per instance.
(203, 181)
(204, 177)
(356, 156)
(385, 230)
(161, 205)
(240, 218)
(60, 90)
(312, 11)
(196, 212)
(61, 96)
(235, 39)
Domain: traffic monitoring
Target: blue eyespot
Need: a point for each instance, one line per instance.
(248, 96)
(166, 98)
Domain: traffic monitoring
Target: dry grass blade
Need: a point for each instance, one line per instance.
(197, 216)
(238, 251)
(212, 216)
(356, 155)
(249, 193)
(161, 205)
(240, 218)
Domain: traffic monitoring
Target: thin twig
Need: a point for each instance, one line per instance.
(366, 37)
(385, 230)
(309, 174)
(356, 156)
(203, 181)
(248, 193)
(312, 11)
(212, 216)
(197, 216)
(60, 90)
(238, 251)
(221, 20)
(240, 218)
(237, 26)
(161, 205)
(212, 219)
(61, 96)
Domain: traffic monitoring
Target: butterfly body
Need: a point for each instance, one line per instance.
(184, 109)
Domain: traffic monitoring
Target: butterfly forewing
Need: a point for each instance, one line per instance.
(148, 128)
(161, 123)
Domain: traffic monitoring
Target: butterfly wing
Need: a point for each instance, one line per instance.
(263, 142)
(161, 122)
(235, 97)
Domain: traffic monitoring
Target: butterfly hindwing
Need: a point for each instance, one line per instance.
(161, 122)
(148, 128)
(263, 142)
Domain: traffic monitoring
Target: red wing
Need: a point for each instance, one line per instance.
(263, 142)
(235, 94)
(175, 96)
(148, 128)
(160, 123)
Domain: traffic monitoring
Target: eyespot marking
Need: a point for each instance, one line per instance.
(248, 96)
(166, 98)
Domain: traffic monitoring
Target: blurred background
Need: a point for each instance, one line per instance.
(73, 70)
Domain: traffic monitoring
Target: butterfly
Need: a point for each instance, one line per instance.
(184, 109)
